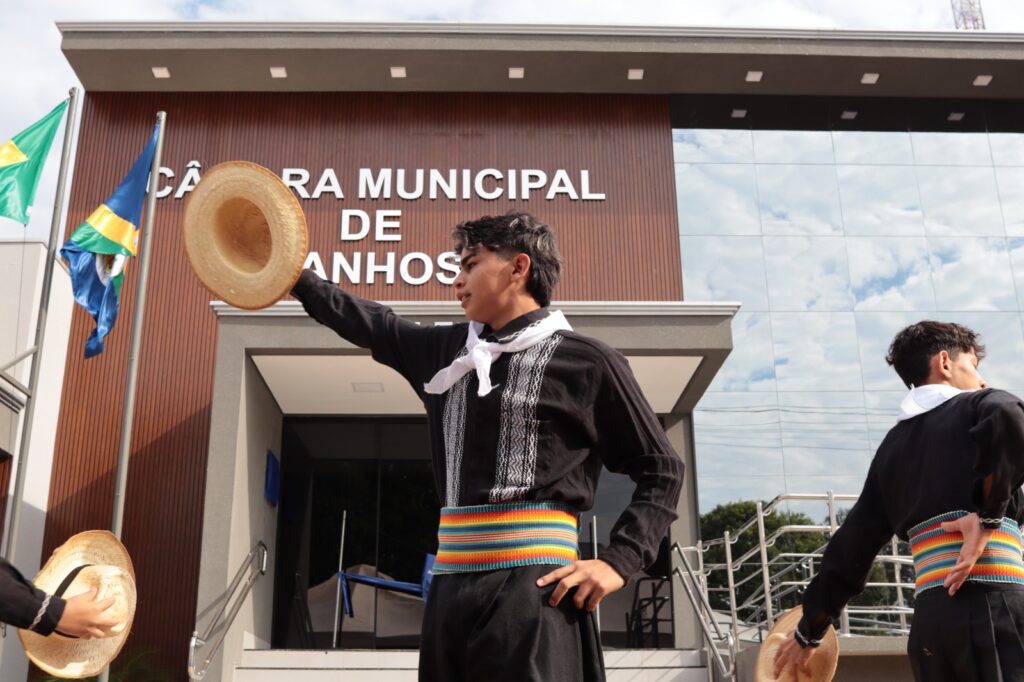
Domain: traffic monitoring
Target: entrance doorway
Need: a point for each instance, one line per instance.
(376, 474)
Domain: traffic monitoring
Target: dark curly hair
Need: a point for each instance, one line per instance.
(515, 233)
(911, 351)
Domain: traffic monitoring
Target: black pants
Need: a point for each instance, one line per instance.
(498, 625)
(975, 636)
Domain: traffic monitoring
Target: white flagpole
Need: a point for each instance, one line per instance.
(131, 381)
(128, 416)
(37, 351)
(14, 517)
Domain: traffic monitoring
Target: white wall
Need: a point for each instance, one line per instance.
(252, 518)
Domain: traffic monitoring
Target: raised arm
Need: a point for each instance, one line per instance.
(415, 351)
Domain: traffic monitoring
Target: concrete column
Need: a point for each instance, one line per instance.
(245, 423)
(686, 529)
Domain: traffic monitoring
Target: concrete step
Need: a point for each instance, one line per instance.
(634, 665)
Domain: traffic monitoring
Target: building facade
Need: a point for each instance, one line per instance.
(749, 216)
(835, 235)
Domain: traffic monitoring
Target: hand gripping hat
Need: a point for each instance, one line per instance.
(822, 666)
(245, 234)
(91, 559)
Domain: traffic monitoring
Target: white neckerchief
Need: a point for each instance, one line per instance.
(480, 354)
(921, 399)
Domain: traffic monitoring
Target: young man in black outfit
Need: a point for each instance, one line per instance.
(947, 478)
(522, 412)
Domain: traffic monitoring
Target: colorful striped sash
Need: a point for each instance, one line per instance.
(492, 536)
(936, 552)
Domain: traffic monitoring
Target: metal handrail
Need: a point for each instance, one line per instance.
(258, 557)
(770, 507)
(701, 607)
(788, 573)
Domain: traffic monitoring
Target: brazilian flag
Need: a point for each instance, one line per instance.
(99, 248)
(21, 163)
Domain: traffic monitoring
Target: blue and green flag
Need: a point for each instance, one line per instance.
(98, 250)
(21, 163)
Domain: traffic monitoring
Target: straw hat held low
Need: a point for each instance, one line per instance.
(245, 234)
(822, 666)
(101, 562)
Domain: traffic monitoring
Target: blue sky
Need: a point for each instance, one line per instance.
(42, 77)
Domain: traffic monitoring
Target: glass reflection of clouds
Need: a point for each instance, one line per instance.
(863, 234)
(1016, 245)
(808, 273)
(717, 199)
(960, 201)
(1007, 148)
(881, 200)
(857, 147)
(741, 433)
(972, 274)
(816, 352)
(793, 146)
(951, 149)
(824, 432)
(750, 365)
(829, 456)
(724, 269)
(882, 408)
(875, 332)
(1011, 196)
(890, 273)
(712, 146)
(799, 199)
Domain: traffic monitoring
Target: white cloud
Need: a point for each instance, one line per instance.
(890, 273)
(751, 365)
(972, 274)
(724, 269)
(808, 273)
(816, 352)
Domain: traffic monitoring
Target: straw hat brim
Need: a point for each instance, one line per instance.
(112, 572)
(245, 234)
(822, 666)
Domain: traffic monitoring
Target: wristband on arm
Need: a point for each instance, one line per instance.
(991, 524)
(804, 641)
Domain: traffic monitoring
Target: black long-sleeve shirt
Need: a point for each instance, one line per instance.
(927, 465)
(21, 601)
(558, 410)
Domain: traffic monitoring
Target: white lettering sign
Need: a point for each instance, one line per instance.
(384, 225)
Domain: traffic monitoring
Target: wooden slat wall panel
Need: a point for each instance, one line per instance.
(624, 248)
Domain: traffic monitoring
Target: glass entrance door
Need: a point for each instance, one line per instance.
(376, 474)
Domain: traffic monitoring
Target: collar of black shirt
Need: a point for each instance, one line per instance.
(513, 328)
